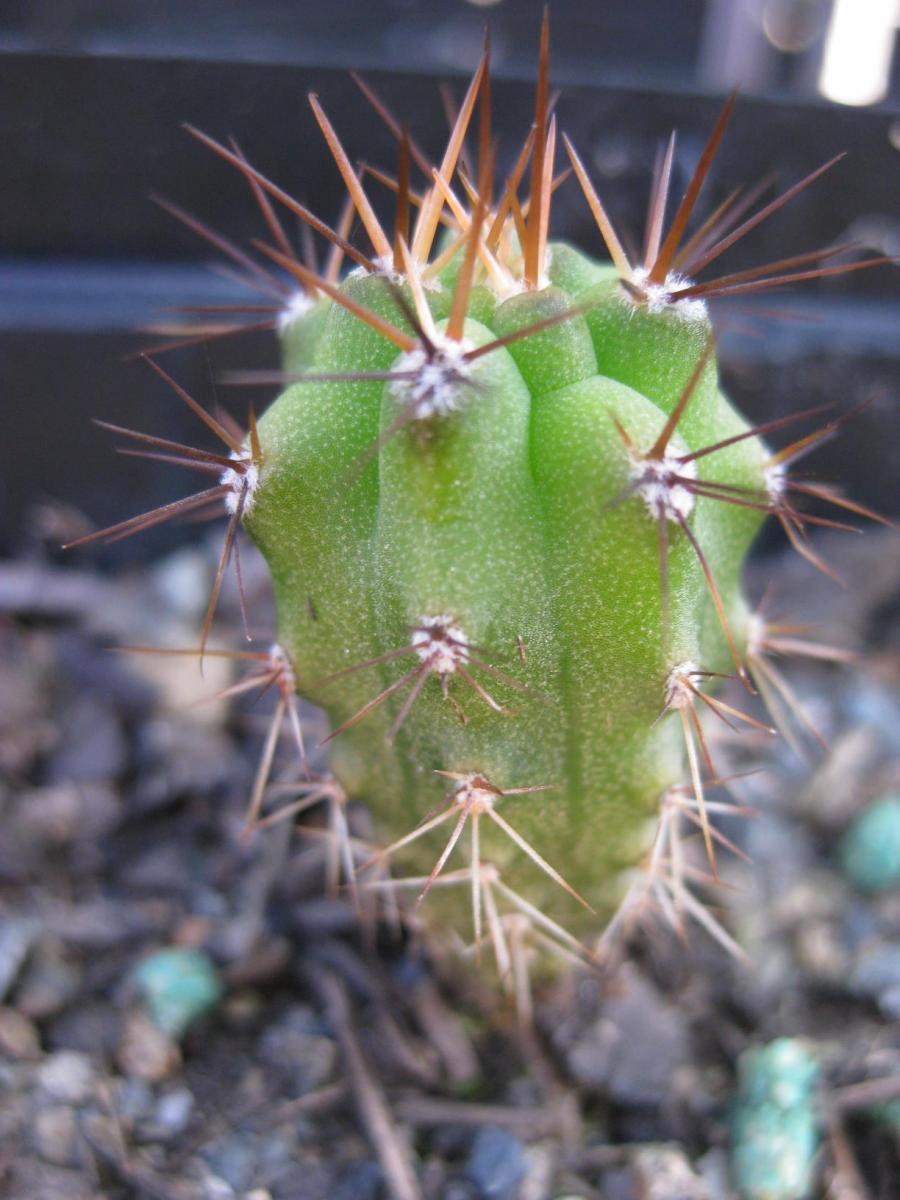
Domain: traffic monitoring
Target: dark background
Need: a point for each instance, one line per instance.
(92, 97)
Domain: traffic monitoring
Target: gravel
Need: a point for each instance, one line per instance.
(122, 836)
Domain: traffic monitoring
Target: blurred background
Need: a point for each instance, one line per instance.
(92, 97)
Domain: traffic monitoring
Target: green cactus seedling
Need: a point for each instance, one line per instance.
(505, 506)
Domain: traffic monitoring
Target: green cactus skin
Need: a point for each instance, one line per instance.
(505, 506)
(503, 517)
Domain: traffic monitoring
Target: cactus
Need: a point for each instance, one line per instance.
(505, 507)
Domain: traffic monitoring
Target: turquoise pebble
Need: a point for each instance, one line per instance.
(177, 986)
(870, 849)
(775, 1132)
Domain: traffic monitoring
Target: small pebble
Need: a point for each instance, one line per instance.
(92, 1027)
(876, 707)
(360, 1181)
(145, 1052)
(714, 1169)
(876, 976)
(496, 1163)
(664, 1173)
(775, 1131)
(821, 951)
(296, 1047)
(49, 982)
(215, 1188)
(232, 1160)
(860, 922)
(635, 1048)
(134, 1100)
(617, 1183)
(177, 986)
(460, 1189)
(67, 1076)
(103, 923)
(542, 1168)
(16, 937)
(172, 1114)
(53, 816)
(311, 1179)
(101, 1130)
(18, 1036)
(870, 849)
(241, 1009)
(56, 1135)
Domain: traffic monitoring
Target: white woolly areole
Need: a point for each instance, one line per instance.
(660, 297)
(776, 480)
(659, 488)
(242, 480)
(440, 643)
(756, 634)
(298, 306)
(509, 279)
(437, 376)
(505, 286)
(384, 266)
(473, 792)
(512, 284)
(279, 661)
(677, 695)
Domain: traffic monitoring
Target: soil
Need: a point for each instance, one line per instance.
(355, 1063)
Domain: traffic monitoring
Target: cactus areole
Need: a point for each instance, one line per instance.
(505, 506)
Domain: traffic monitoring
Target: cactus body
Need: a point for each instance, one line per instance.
(505, 506)
(503, 520)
